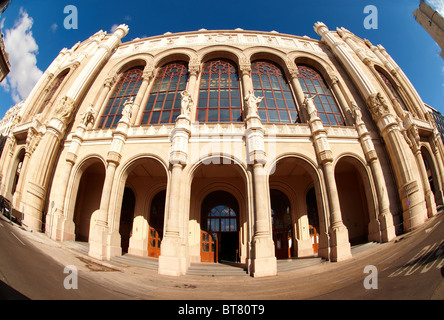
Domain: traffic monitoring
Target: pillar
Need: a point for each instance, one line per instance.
(172, 259)
(340, 245)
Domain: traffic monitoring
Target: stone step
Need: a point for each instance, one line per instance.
(363, 247)
(82, 247)
(137, 261)
(297, 263)
(216, 269)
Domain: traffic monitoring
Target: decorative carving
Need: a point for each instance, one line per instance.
(252, 103)
(186, 104)
(377, 105)
(65, 109)
(357, 115)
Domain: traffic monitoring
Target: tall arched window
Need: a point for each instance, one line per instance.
(392, 89)
(55, 86)
(164, 101)
(313, 84)
(127, 88)
(269, 82)
(219, 96)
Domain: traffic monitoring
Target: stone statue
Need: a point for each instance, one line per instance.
(186, 103)
(311, 107)
(127, 111)
(89, 116)
(252, 103)
(356, 112)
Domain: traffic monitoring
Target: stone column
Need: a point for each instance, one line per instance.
(194, 70)
(173, 260)
(8, 153)
(32, 141)
(412, 201)
(263, 260)
(140, 98)
(340, 245)
(382, 229)
(103, 242)
(62, 228)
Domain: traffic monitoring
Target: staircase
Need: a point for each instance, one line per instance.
(217, 269)
(286, 265)
(128, 260)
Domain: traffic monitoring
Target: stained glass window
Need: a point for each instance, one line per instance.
(219, 95)
(164, 101)
(313, 84)
(392, 90)
(127, 87)
(269, 82)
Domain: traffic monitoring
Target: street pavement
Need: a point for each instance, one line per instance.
(32, 266)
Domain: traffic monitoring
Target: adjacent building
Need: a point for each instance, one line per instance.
(432, 21)
(234, 145)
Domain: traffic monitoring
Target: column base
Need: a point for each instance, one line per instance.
(171, 261)
(431, 205)
(340, 249)
(388, 232)
(264, 263)
(98, 236)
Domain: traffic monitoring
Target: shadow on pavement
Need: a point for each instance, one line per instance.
(8, 293)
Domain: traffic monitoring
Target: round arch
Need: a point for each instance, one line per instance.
(87, 183)
(285, 171)
(144, 173)
(357, 199)
(432, 173)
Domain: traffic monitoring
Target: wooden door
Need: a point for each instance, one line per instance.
(155, 233)
(281, 240)
(209, 247)
(154, 242)
(314, 235)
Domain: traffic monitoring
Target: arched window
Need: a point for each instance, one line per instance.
(55, 86)
(313, 84)
(392, 89)
(269, 82)
(219, 96)
(164, 101)
(127, 88)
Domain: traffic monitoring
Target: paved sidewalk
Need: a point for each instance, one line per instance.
(129, 274)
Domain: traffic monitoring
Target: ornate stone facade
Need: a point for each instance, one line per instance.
(224, 145)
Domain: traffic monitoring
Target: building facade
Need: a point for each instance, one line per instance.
(223, 145)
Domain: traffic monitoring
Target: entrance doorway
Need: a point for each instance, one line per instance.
(157, 215)
(313, 219)
(282, 226)
(219, 228)
(126, 218)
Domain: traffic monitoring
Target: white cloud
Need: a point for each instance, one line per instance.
(114, 27)
(23, 50)
(54, 27)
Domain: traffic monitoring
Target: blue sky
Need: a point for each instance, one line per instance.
(35, 31)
